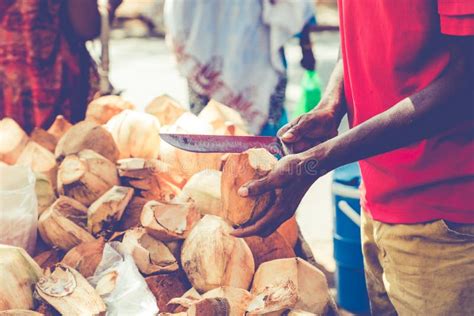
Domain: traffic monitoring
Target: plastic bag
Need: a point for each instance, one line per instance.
(311, 93)
(18, 207)
(131, 295)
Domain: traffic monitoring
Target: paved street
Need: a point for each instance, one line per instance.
(144, 68)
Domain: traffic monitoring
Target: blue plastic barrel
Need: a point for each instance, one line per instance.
(350, 278)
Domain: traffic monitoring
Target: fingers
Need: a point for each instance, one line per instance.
(263, 227)
(248, 231)
(290, 132)
(256, 187)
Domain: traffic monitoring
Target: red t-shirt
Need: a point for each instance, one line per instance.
(392, 49)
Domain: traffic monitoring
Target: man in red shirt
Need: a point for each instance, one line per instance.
(406, 80)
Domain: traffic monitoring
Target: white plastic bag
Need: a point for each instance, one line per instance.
(18, 207)
(130, 295)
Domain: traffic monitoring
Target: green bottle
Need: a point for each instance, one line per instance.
(310, 93)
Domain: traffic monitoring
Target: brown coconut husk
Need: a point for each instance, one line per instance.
(269, 248)
(169, 221)
(43, 138)
(238, 298)
(166, 287)
(87, 135)
(153, 179)
(86, 176)
(59, 127)
(131, 215)
(63, 224)
(18, 276)
(290, 231)
(69, 292)
(238, 170)
(19, 312)
(289, 284)
(85, 257)
(49, 258)
(104, 213)
(151, 256)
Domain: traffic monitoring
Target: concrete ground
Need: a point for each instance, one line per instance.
(144, 68)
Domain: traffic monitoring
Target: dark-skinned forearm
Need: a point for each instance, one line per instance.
(444, 103)
(333, 97)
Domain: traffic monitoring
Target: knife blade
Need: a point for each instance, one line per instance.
(222, 144)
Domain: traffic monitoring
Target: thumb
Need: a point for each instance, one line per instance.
(295, 132)
(256, 187)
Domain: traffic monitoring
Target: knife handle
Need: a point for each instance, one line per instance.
(282, 149)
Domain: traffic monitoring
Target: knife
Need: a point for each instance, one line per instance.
(224, 144)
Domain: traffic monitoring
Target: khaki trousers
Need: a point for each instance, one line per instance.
(420, 269)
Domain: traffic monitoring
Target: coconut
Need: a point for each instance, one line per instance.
(49, 258)
(166, 287)
(86, 176)
(87, 135)
(204, 190)
(169, 221)
(44, 190)
(131, 215)
(269, 248)
(290, 231)
(181, 304)
(221, 116)
(19, 273)
(13, 140)
(102, 109)
(85, 257)
(297, 312)
(238, 298)
(238, 170)
(19, 312)
(150, 255)
(59, 127)
(40, 160)
(153, 179)
(189, 163)
(68, 292)
(217, 306)
(63, 224)
(43, 138)
(211, 257)
(136, 134)
(104, 213)
(165, 109)
(289, 284)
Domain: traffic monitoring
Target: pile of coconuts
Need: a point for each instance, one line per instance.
(111, 178)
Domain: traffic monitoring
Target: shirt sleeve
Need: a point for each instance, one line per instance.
(456, 17)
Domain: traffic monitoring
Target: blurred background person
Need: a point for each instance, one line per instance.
(45, 69)
(232, 51)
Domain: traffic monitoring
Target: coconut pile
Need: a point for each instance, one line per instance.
(108, 186)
